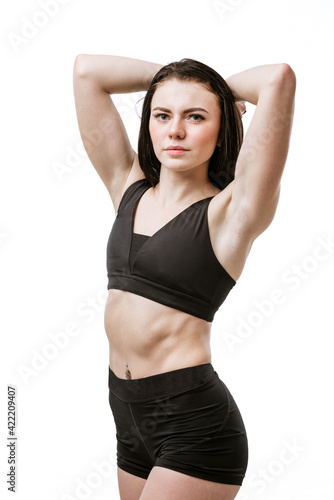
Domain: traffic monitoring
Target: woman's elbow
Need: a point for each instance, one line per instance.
(80, 65)
(285, 74)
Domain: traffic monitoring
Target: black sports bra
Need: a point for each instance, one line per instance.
(176, 266)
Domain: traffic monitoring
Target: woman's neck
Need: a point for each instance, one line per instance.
(183, 187)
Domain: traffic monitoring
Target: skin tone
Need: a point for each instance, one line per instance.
(190, 120)
(271, 89)
(184, 114)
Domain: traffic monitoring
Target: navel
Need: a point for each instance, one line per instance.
(127, 373)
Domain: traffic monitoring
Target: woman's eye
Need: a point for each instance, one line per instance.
(196, 118)
(164, 117)
(161, 116)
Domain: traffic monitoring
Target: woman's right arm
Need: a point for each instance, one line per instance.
(105, 139)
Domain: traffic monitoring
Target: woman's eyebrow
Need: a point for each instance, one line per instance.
(189, 110)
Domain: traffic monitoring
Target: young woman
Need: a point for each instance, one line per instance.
(188, 209)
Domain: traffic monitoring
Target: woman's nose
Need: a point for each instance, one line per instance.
(176, 128)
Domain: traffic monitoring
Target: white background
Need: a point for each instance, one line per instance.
(54, 230)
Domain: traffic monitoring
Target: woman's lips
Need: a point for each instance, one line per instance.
(176, 150)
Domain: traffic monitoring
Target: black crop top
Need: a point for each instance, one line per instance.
(176, 266)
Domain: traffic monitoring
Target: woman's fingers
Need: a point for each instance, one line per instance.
(241, 105)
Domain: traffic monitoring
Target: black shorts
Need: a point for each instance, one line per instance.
(185, 420)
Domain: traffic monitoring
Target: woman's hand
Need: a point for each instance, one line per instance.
(241, 106)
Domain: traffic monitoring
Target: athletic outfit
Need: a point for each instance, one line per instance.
(186, 419)
(176, 266)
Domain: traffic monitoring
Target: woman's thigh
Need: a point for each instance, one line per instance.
(166, 484)
(130, 486)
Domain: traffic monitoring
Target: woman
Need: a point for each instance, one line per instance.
(188, 209)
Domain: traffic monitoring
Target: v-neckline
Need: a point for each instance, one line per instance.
(167, 223)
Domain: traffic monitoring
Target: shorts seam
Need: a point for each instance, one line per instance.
(139, 433)
(130, 470)
(228, 478)
(206, 438)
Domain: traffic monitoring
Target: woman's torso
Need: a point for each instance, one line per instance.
(147, 337)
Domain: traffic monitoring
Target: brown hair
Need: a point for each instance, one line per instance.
(223, 161)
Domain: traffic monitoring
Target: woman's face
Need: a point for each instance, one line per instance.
(184, 124)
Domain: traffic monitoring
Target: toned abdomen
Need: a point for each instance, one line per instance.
(151, 338)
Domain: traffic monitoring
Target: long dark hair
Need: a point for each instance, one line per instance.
(223, 161)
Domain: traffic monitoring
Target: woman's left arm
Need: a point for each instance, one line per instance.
(265, 147)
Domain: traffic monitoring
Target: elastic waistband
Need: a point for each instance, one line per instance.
(161, 385)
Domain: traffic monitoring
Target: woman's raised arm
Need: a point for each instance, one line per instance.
(105, 139)
(264, 150)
